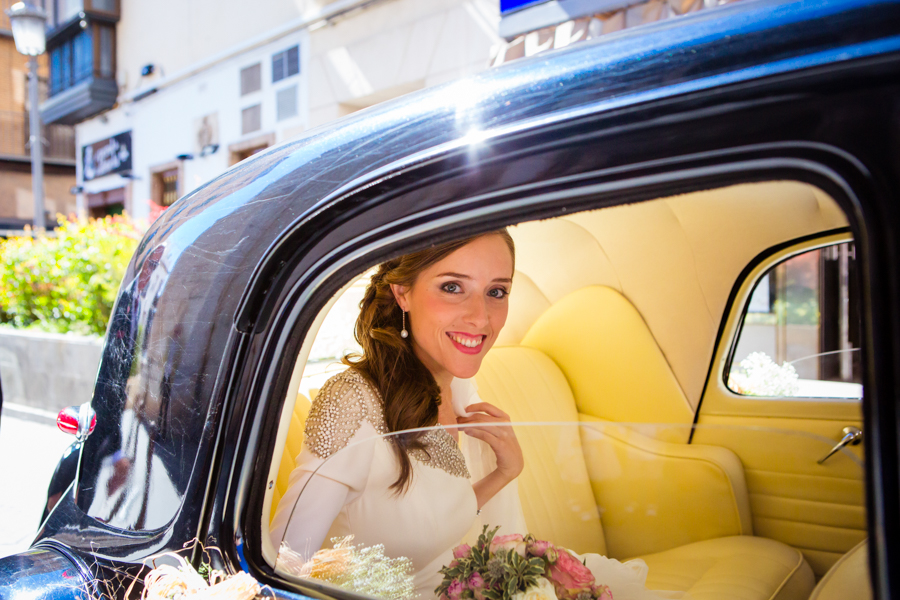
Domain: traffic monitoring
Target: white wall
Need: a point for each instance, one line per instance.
(395, 47)
(363, 57)
(163, 125)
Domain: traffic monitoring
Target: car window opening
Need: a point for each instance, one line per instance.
(633, 448)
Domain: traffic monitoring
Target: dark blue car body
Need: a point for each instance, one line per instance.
(806, 90)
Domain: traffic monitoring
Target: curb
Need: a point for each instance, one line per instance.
(28, 413)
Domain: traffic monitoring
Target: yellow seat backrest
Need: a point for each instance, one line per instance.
(611, 361)
(554, 488)
(292, 447)
(847, 578)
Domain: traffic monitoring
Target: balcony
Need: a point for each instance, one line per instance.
(59, 140)
(81, 52)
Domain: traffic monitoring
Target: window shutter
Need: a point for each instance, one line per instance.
(251, 79)
(251, 119)
(286, 101)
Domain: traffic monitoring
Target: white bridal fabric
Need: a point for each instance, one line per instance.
(341, 486)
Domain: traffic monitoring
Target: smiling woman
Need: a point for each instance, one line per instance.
(456, 295)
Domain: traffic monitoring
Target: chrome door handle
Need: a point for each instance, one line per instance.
(852, 437)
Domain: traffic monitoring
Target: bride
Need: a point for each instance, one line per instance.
(426, 322)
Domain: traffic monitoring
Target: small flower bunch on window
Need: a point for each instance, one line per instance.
(516, 567)
(759, 375)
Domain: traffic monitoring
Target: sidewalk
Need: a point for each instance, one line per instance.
(30, 447)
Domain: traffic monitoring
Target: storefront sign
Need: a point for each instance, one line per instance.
(112, 155)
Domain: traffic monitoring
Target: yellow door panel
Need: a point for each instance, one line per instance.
(773, 483)
(805, 511)
(817, 508)
(784, 445)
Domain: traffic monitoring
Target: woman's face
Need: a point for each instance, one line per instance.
(458, 306)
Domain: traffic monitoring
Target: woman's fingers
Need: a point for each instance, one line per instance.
(481, 418)
(503, 442)
(484, 434)
(487, 407)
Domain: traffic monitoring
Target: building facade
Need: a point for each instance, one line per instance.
(203, 85)
(16, 198)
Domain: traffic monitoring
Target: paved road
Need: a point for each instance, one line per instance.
(30, 446)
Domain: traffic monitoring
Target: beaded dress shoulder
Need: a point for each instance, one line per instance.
(346, 401)
(339, 409)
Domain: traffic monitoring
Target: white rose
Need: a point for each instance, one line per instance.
(543, 590)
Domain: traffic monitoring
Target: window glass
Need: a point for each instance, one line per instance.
(251, 79)
(56, 84)
(165, 186)
(66, 64)
(285, 63)
(82, 57)
(72, 61)
(286, 103)
(800, 334)
(251, 119)
(104, 5)
(107, 51)
(169, 181)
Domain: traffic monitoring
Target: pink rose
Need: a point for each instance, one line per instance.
(461, 551)
(569, 576)
(455, 590)
(538, 547)
(476, 582)
(513, 541)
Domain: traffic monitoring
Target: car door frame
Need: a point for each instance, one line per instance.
(413, 205)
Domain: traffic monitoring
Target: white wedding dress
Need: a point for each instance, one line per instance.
(341, 486)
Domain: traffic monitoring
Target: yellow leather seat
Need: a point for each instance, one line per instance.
(292, 447)
(732, 568)
(583, 479)
(847, 578)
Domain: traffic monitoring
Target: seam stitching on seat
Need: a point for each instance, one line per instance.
(827, 527)
(790, 575)
(842, 504)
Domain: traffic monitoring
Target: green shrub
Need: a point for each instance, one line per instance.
(69, 282)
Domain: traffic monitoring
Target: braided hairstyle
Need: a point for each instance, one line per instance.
(410, 392)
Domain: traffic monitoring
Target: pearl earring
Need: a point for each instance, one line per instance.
(403, 332)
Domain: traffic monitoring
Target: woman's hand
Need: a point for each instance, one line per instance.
(501, 439)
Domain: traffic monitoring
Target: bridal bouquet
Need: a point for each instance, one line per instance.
(516, 567)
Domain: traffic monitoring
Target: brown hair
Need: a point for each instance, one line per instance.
(410, 393)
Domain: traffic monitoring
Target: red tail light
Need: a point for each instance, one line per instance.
(67, 420)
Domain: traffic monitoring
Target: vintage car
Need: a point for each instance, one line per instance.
(702, 329)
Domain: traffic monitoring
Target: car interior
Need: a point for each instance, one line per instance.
(677, 371)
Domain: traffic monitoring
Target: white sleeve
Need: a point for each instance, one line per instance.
(319, 488)
(333, 466)
(304, 525)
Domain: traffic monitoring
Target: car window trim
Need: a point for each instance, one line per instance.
(308, 294)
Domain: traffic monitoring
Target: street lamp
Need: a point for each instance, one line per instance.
(27, 22)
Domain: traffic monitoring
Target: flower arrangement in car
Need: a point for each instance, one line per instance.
(517, 567)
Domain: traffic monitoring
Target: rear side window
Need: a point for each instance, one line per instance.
(800, 336)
